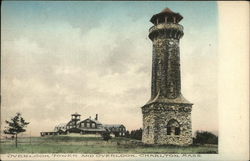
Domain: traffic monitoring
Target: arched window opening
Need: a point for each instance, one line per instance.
(173, 127)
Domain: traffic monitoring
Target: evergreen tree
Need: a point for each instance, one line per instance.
(16, 125)
(136, 134)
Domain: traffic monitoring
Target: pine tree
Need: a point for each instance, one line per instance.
(16, 125)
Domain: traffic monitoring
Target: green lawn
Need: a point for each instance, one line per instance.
(67, 144)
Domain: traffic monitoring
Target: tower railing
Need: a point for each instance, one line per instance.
(166, 26)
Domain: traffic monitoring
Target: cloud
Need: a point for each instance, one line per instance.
(120, 57)
(49, 73)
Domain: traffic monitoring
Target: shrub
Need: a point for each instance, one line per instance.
(127, 135)
(205, 137)
(106, 136)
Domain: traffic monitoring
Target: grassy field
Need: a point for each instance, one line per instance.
(69, 144)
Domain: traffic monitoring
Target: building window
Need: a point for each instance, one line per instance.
(173, 127)
(93, 125)
(88, 124)
(148, 130)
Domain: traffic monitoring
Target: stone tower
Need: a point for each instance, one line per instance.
(167, 115)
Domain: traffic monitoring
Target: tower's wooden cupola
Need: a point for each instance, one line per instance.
(166, 16)
(75, 117)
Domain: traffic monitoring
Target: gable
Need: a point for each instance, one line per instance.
(70, 123)
(87, 121)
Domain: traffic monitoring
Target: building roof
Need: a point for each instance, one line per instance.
(48, 132)
(167, 12)
(93, 120)
(96, 121)
(180, 100)
(63, 130)
(61, 125)
(88, 129)
(112, 125)
(70, 122)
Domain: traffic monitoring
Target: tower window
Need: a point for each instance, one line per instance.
(173, 127)
(161, 20)
(177, 131)
(148, 130)
(168, 130)
(171, 87)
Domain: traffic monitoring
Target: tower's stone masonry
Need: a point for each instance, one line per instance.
(156, 117)
(167, 115)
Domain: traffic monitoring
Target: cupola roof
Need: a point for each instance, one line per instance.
(166, 12)
(75, 114)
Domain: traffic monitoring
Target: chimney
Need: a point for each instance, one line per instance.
(96, 117)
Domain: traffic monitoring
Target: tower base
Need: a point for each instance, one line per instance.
(167, 123)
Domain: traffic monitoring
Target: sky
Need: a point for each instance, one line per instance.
(62, 57)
